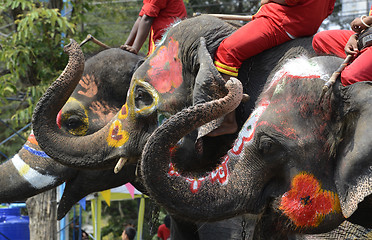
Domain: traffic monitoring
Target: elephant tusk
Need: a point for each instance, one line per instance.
(120, 164)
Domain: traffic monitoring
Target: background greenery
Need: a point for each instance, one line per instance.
(32, 35)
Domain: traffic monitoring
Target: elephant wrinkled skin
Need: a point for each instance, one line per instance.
(175, 77)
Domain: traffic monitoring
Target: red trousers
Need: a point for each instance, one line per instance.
(332, 42)
(254, 37)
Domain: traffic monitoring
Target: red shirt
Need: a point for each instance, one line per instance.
(165, 13)
(163, 232)
(300, 17)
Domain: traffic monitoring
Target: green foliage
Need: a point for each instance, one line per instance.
(31, 58)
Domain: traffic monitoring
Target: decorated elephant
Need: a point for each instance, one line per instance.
(174, 77)
(98, 96)
(301, 157)
(95, 100)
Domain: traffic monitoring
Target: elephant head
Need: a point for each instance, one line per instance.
(304, 160)
(96, 99)
(155, 93)
(174, 77)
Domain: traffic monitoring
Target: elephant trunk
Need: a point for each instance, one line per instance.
(188, 197)
(28, 173)
(54, 141)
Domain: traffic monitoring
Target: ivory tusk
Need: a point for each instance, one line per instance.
(120, 164)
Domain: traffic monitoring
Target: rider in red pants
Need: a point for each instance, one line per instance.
(276, 22)
(342, 42)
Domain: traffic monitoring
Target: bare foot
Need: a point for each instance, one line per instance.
(228, 126)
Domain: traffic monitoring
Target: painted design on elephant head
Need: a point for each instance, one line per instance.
(247, 132)
(117, 136)
(306, 203)
(64, 117)
(166, 58)
(88, 83)
(219, 175)
(123, 113)
(292, 71)
(104, 112)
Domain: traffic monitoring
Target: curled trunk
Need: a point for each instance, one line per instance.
(167, 188)
(47, 133)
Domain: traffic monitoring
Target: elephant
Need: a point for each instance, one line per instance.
(95, 100)
(173, 78)
(303, 155)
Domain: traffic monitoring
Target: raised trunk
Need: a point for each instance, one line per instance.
(81, 149)
(188, 197)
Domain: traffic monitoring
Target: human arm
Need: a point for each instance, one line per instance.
(133, 32)
(357, 24)
(138, 34)
(351, 46)
(282, 2)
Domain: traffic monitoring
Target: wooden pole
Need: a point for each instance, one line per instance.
(228, 16)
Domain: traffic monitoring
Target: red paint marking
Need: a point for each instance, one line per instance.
(288, 132)
(32, 139)
(59, 119)
(306, 203)
(115, 134)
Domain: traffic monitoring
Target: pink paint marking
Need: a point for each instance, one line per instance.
(166, 68)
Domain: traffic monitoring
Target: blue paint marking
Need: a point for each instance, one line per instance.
(35, 152)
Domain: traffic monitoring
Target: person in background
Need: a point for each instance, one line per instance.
(276, 22)
(164, 229)
(154, 18)
(344, 42)
(129, 233)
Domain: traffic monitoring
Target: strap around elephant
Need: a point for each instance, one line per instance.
(365, 39)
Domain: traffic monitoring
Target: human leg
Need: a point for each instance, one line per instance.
(359, 70)
(331, 42)
(251, 39)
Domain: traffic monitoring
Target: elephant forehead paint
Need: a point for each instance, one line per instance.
(306, 203)
(165, 72)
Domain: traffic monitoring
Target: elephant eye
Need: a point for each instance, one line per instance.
(73, 122)
(142, 98)
(265, 145)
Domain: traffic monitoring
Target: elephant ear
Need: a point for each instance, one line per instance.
(209, 85)
(353, 174)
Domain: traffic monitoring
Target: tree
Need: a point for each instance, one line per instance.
(31, 55)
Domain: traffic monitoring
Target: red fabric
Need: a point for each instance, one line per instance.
(165, 13)
(299, 18)
(270, 27)
(233, 51)
(163, 232)
(332, 42)
(359, 70)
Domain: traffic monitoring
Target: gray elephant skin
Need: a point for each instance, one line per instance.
(95, 100)
(99, 94)
(155, 94)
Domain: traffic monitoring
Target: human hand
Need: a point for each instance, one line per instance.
(357, 25)
(128, 48)
(351, 47)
